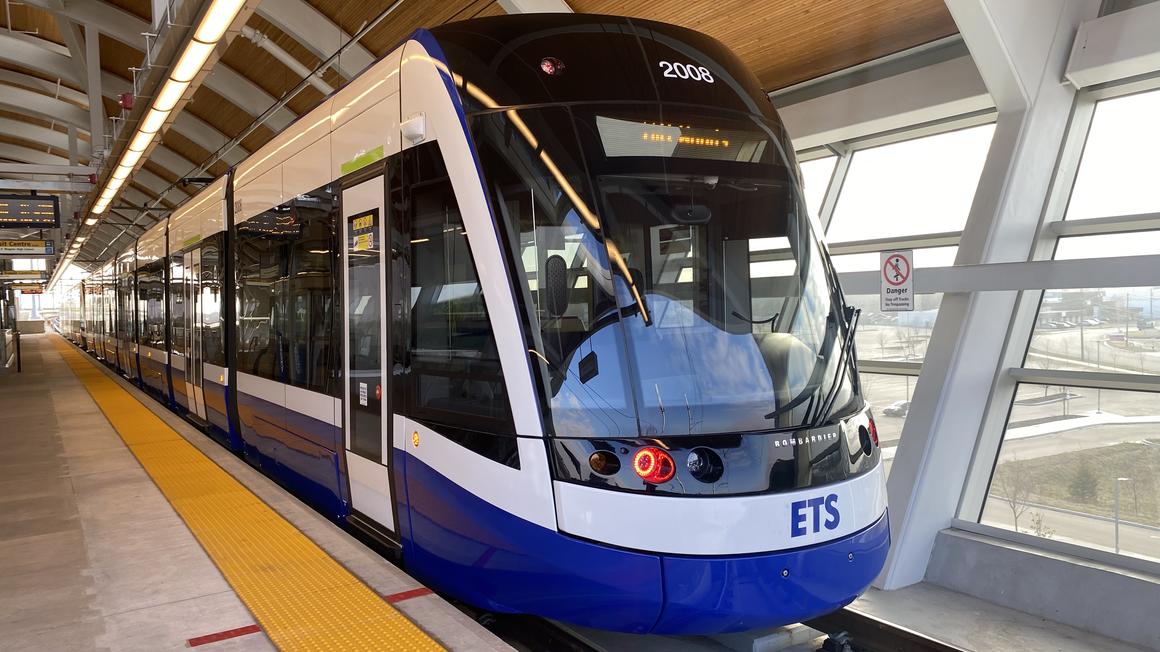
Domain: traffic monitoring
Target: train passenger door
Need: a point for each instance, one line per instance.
(367, 414)
(193, 330)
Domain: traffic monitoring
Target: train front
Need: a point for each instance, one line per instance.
(693, 354)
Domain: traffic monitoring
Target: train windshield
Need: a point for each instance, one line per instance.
(672, 280)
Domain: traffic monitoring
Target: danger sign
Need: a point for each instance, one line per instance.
(897, 281)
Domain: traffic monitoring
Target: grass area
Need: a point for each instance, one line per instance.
(1085, 481)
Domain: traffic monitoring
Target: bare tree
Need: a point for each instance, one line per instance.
(1013, 487)
(1039, 526)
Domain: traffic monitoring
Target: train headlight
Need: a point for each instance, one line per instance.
(654, 465)
(705, 465)
(604, 462)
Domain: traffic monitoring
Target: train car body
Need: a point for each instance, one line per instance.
(536, 299)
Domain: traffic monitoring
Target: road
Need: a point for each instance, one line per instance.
(1084, 530)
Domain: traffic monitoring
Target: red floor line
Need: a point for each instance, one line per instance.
(221, 636)
(254, 629)
(407, 595)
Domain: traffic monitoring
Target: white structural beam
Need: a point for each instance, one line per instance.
(35, 168)
(1021, 49)
(40, 55)
(22, 154)
(93, 87)
(936, 92)
(316, 33)
(1117, 46)
(186, 124)
(76, 187)
(535, 6)
(43, 86)
(40, 135)
(22, 100)
(1122, 271)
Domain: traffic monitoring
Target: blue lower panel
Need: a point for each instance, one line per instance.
(216, 400)
(739, 593)
(309, 470)
(467, 547)
(179, 396)
(481, 554)
(153, 377)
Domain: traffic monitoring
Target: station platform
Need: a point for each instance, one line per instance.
(124, 528)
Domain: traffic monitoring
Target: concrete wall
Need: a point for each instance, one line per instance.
(1102, 599)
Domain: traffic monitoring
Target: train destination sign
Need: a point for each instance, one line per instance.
(26, 248)
(22, 275)
(29, 212)
(897, 281)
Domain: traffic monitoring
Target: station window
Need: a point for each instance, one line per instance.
(1117, 173)
(918, 186)
(889, 398)
(869, 262)
(1082, 466)
(1109, 330)
(894, 336)
(816, 175)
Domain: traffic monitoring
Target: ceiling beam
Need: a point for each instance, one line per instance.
(128, 28)
(35, 168)
(22, 100)
(75, 187)
(40, 135)
(47, 87)
(316, 33)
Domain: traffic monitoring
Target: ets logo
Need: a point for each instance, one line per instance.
(801, 512)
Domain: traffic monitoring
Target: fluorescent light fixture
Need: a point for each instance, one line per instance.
(214, 23)
(80, 238)
(130, 158)
(170, 93)
(191, 62)
(217, 20)
(91, 221)
(153, 122)
(141, 141)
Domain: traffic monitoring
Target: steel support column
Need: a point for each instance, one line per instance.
(96, 106)
(1021, 49)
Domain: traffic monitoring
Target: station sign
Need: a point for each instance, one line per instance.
(22, 275)
(22, 248)
(897, 280)
(32, 289)
(29, 212)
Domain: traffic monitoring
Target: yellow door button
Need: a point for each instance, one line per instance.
(415, 438)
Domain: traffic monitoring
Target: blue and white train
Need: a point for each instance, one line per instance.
(537, 300)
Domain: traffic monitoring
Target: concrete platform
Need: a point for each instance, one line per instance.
(93, 556)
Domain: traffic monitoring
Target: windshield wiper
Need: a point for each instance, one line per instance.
(847, 344)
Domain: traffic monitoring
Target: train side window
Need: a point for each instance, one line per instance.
(152, 301)
(213, 342)
(456, 380)
(260, 269)
(311, 287)
(177, 304)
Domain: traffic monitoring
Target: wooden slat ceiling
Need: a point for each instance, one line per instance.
(789, 41)
(783, 41)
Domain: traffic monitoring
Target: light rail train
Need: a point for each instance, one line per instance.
(535, 299)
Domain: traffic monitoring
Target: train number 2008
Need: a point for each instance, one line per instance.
(687, 71)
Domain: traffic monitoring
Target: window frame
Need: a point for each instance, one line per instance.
(1012, 372)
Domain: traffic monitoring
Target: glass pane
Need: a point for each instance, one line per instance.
(1110, 330)
(925, 185)
(1117, 174)
(1066, 451)
(1146, 243)
(364, 331)
(868, 262)
(889, 398)
(816, 176)
(898, 336)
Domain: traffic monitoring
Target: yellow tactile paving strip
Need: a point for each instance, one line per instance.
(302, 598)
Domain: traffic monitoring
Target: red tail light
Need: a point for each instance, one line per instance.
(873, 428)
(654, 465)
